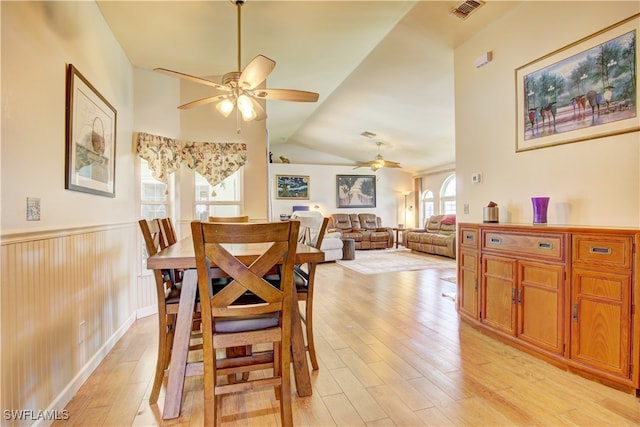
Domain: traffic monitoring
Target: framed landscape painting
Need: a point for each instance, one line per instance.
(356, 191)
(90, 138)
(586, 90)
(295, 187)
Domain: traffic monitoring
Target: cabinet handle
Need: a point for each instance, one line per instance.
(520, 296)
(574, 312)
(469, 237)
(495, 240)
(545, 245)
(600, 250)
(513, 295)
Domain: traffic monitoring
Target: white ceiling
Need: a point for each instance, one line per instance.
(379, 66)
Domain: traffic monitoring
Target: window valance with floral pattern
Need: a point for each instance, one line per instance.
(215, 161)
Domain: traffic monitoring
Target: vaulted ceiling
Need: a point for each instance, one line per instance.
(384, 67)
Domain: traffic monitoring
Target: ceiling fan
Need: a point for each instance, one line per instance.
(378, 162)
(240, 88)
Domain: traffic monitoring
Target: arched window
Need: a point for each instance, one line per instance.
(448, 196)
(428, 204)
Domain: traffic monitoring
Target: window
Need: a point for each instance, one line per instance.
(428, 204)
(154, 203)
(224, 199)
(154, 200)
(448, 196)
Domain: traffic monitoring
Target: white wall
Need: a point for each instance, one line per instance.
(593, 182)
(322, 190)
(39, 39)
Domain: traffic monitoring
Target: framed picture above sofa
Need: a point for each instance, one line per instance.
(356, 191)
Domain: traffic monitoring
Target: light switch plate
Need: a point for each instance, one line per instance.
(33, 209)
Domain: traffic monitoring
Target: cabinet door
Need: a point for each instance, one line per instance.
(468, 283)
(601, 320)
(498, 294)
(540, 302)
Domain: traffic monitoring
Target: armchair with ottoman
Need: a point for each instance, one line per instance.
(438, 236)
(365, 229)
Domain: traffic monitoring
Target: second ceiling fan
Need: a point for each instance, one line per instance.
(378, 162)
(240, 88)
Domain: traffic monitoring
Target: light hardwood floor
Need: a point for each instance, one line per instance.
(391, 352)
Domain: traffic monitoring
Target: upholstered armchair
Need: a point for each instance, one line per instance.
(331, 243)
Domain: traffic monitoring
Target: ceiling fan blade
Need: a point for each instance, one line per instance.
(256, 72)
(192, 78)
(287, 95)
(203, 101)
(392, 165)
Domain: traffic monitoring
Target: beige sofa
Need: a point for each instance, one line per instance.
(438, 236)
(365, 228)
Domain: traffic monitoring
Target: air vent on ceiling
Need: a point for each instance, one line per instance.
(368, 134)
(467, 8)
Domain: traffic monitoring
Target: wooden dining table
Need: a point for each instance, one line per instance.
(181, 256)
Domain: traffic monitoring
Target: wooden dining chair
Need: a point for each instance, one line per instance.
(168, 297)
(244, 218)
(168, 233)
(304, 279)
(168, 230)
(248, 311)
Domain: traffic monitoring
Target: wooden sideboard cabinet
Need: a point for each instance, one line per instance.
(567, 294)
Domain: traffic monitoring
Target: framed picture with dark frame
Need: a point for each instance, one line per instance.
(90, 138)
(293, 187)
(356, 191)
(583, 91)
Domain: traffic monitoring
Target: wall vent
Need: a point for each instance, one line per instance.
(368, 134)
(467, 8)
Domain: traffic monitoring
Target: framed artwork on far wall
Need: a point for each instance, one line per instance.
(90, 138)
(583, 91)
(293, 187)
(356, 191)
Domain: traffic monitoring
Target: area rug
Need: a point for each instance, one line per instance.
(390, 260)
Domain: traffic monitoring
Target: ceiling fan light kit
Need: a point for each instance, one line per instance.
(240, 87)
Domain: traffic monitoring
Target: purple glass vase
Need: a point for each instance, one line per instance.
(540, 205)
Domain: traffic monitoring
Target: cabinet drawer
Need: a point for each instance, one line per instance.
(602, 250)
(549, 245)
(469, 237)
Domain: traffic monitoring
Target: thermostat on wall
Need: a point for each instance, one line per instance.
(475, 178)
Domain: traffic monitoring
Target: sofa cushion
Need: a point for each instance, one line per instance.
(369, 221)
(432, 238)
(342, 222)
(448, 220)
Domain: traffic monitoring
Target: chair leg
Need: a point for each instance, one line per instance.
(283, 392)
(162, 359)
(311, 346)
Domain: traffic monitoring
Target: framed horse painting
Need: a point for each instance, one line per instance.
(585, 90)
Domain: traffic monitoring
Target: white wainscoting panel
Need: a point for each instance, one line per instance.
(66, 297)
